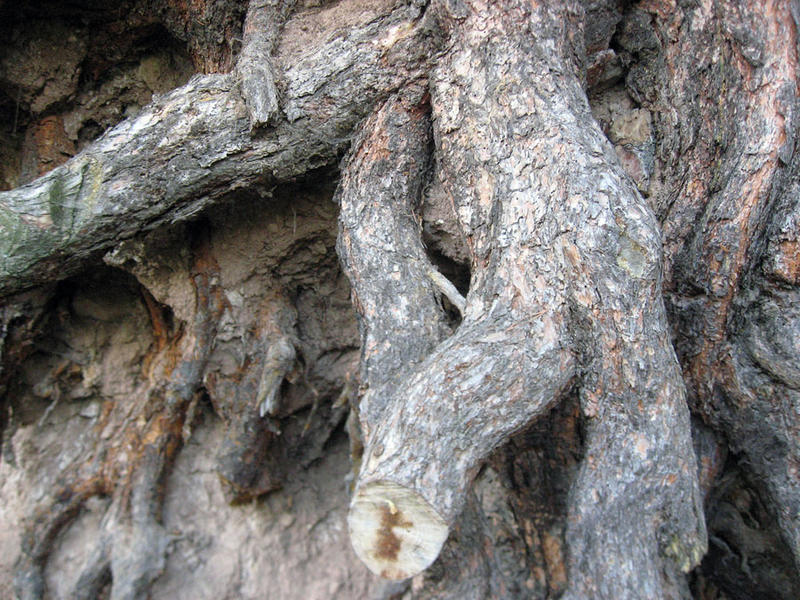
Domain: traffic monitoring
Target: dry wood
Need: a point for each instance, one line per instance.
(191, 147)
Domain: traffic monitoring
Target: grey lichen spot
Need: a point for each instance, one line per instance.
(69, 190)
(56, 201)
(631, 256)
(13, 232)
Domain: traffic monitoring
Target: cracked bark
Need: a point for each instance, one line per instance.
(741, 302)
(156, 169)
(562, 248)
(481, 108)
(256, 73)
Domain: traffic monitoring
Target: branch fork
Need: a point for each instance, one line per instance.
(564, 294)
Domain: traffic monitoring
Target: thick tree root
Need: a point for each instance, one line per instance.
(565, 290)
(733, 279)
(402, 318)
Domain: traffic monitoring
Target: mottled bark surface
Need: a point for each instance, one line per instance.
(189, 149)
(727, 195)
(562, 248)
(498, 250)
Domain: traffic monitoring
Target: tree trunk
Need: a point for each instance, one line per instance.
(400, 299)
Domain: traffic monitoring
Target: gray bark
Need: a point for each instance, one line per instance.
(562, 248)
(192, 147)
(560, 221)
(261, 28)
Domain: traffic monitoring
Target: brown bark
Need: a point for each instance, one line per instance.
(726, 175)
(747, 307)
(560, 221)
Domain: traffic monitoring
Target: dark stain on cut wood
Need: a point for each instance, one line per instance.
(388, 545)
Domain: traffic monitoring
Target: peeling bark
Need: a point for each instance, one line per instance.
(261, 29)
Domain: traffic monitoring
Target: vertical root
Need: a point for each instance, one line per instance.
(247, 463)
(48, 520)
(262, 25)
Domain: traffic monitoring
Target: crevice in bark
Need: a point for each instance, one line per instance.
(747, 557)
(539, 466)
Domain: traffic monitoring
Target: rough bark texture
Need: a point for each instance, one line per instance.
(261, 28)
(562, 248)
(438, 280)
(190, 148)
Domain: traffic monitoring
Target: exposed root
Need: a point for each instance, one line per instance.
(449, 290)
(262, 26)
(133, 472)
(566, 289)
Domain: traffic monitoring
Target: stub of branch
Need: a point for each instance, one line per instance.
(261, 96)
(438, 425)
(248, 398)
(394, 530)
